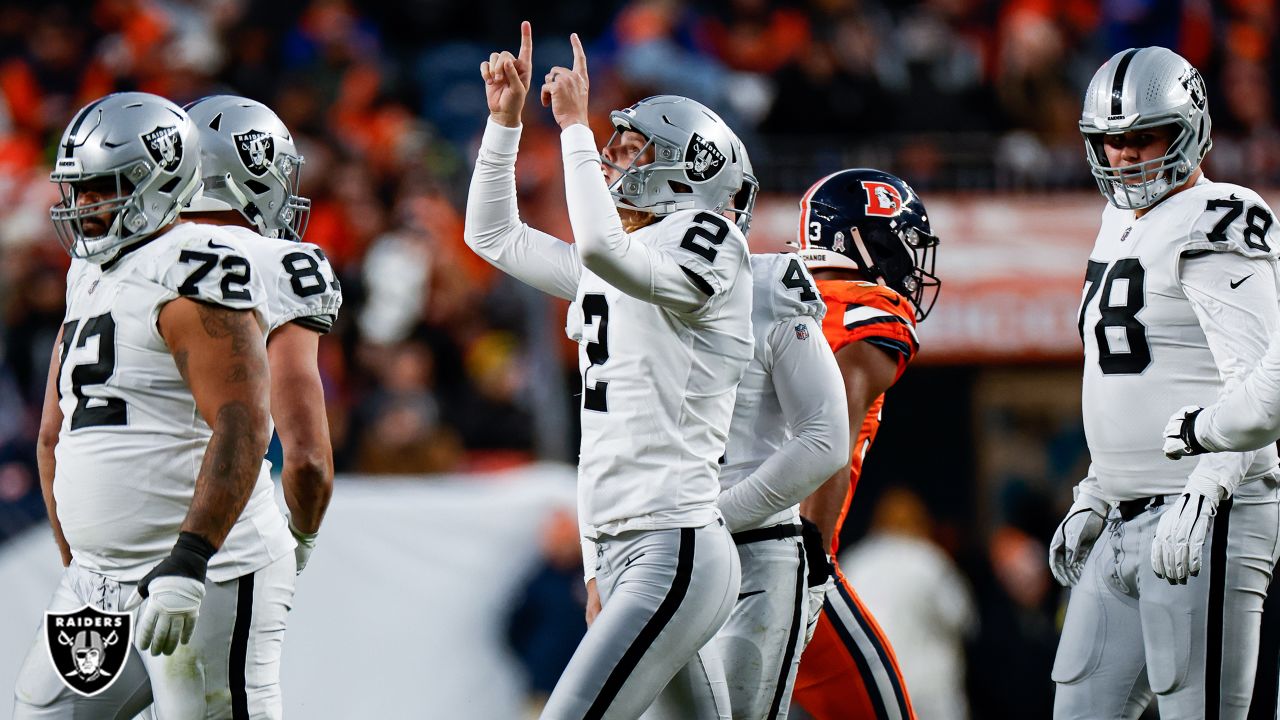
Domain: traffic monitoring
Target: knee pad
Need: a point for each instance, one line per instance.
(1167, 643)
(1080, 647)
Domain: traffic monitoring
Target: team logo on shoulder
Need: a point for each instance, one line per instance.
(88, 647)
(257, 150)
(883, 199)
(164, 145)
(702, 159)
(1194, 83)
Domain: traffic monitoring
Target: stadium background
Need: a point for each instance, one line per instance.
(442, 370)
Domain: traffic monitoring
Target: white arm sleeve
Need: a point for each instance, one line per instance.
(1248, 416)
(810, 390)
(493, 227)
(1238, 324)
(641, 271)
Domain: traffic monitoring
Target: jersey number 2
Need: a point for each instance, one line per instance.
(103, 410)
(1121, 337)
(595, 310)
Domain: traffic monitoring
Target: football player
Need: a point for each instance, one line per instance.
(251, 169)
(661, 293)
(866, 237)
(1169, 562)
(157, 414)
(790, 432)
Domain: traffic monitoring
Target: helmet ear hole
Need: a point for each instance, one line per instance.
(257, 187)
(679, 188)
(170, 186)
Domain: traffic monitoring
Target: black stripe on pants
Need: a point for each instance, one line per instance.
(239, 654)
(1265, 685)
(1214, 617)
(797, 629)
(649, 633)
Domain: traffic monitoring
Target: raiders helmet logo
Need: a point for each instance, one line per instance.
(164, 144)
(257, 151)
(702, 160)
(88, 647)
(883, 199)
(1194, 83)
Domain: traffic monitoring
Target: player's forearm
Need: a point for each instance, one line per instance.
(818, 449)
(307, 478)
(826, 504)
(493, 229)
(45, 464)
(228, 473)
(1248, 416)
(603, 244)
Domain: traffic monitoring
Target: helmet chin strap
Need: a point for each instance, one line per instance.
(247, 207)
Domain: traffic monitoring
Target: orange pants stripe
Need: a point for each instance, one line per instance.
(848, 671)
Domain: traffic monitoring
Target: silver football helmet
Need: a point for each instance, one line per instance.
(250, 164)
(697, 161)
(1143, 88)
(142, 150)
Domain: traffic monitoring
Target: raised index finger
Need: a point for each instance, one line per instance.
(579, 57)
(526, 42)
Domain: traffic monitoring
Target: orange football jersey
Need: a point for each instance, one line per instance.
(873, 313)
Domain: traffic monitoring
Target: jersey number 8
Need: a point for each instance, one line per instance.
(1121, 337)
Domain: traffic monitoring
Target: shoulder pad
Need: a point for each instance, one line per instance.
(302, 285)
(208, 264)
(783, 288)
(1229, 218)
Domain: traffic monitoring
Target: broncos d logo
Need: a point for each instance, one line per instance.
(883, 199)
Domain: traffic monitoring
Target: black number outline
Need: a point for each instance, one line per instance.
(113, 411)
(1251, 228)
(207, 261)
(697, 230)
(237, 273)
(794, 279)
(1138, 359)
(297, 275)
(595, 306)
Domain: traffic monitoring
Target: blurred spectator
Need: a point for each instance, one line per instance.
(922, 602)
(548, 616)
(1011, 659)
(401, 428)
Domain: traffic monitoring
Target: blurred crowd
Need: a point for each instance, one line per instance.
(440, 364)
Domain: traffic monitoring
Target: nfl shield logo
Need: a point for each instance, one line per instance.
(88, 647)
(802, 331)
(257, 150)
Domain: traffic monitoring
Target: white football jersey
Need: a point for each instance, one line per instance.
(299, 281)
(132, 440)
(659, 385)
(785, 309)
(1146, 353)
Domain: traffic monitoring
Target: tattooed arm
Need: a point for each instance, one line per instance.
(221, 355)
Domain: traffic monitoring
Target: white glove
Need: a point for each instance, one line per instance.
(170, 613)
(817, 596)
(306, 543)
(1075, 536)
(1179, 542)
(1180, 434)
(173, 591)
